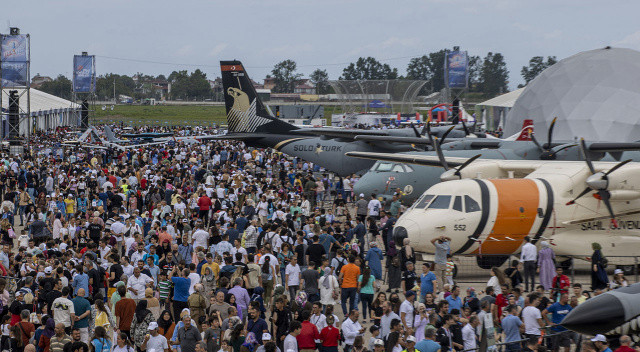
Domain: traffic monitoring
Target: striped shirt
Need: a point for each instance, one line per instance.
(164, 288)
(57, 343)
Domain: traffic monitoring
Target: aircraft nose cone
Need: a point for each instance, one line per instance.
(596, 315)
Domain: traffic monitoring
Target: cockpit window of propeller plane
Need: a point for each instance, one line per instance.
(390, 167)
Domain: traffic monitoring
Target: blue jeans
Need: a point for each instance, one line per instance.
(348, 293)
(367, 300)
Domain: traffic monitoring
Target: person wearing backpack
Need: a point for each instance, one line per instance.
(338, 262)
(23, 330)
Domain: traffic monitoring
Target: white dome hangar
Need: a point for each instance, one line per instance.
(595, 94)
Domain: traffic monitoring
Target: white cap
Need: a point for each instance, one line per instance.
(266, 336)
(362, 195)
(378, 342)
(618, 271)
(411, 338)
(599, 338)
(48, 270)
(152, 325)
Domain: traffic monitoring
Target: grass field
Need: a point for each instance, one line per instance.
(161, 114)
(170, 114)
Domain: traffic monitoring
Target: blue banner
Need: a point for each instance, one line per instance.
(456, 69)
(14, 48)
(84, 74)
(15, 74)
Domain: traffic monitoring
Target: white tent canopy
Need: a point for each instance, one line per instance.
(48, 111)
(493, 111)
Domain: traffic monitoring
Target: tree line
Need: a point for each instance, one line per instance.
(488, 76)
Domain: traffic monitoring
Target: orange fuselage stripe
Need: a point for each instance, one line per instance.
(518, 201)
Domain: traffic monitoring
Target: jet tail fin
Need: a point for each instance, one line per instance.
(109, 135)
(246, 113)
(525, 132)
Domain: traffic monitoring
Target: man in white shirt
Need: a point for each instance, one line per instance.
(292, 275)
(63, 312)
(528, 257)
(200, 237)
(385, 321)
(351, 328)
(373, 208)
(469, 333)
(406, 310)
(137, 283)
(153, 341)
(531, 316)
(317, 318)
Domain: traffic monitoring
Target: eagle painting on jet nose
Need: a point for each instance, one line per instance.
(242, 116)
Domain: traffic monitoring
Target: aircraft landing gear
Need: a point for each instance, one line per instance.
(487, 262)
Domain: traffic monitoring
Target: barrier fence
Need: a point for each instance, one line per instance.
(468, 270)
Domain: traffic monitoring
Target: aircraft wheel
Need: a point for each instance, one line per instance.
(487, 262)
(566, 265)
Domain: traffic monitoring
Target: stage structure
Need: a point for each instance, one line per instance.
(84, 86)
(375, 98)
(15, 84)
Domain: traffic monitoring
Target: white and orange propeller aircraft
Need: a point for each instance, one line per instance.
(487, 207)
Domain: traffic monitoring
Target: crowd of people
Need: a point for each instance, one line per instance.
(220, 247)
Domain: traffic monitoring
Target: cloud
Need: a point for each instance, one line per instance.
(630, 41)
(186, 50)
(382, 47)
(216, 50)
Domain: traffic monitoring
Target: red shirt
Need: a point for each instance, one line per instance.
(204, 203)
(330, 336)
(561, 284)
(308, 335)
(624, 349)
(501, 302)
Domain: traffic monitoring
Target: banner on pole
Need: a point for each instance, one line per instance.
(456, 69)
(84, 74)
(14, 57)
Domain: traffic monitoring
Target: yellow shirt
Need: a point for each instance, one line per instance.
(69, 203)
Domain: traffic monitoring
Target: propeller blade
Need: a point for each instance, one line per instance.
(550, 134)
(464, 126)
(469, 161)
(583, 148)
(443, 161)
(415, 130)
(447, 133)
(573, 201)
(618, 165)
(563, 148)
(535, 141)
(605, 196)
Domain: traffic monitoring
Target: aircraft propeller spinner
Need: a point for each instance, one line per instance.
(546, 151)
(598, 181)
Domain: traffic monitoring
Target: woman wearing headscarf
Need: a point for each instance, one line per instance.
(407, 254)
(599, 279)
(153, 304)
(250, 343)
(546, 265)
(394, 269)
(45, 339)
(141, 320)
(208, 281)
(329, 288)
(166, 324)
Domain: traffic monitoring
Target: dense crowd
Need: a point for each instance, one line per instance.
(220, 247)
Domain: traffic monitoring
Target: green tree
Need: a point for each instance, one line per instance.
(475, 67)
(536, 66)
(60, 87)
(321, 79)
(285, 76)
(493, 75)
(368, 68)
(123, 85)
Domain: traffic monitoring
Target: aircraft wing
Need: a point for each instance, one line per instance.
(426, 160)
(612, 146)
(393, 139)
(339, 132)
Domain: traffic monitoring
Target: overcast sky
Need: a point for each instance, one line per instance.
(324, 34)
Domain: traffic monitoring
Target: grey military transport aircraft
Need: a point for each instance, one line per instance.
(250, 121)
(391, 172)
